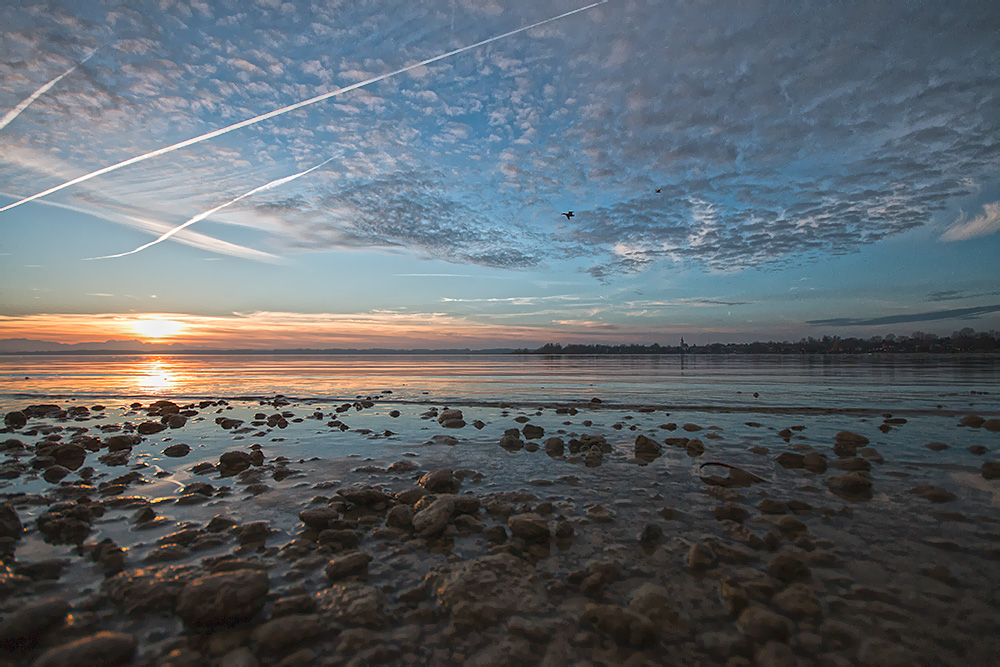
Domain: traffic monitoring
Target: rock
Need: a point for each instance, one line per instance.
(252, 533)
(852, 485)
(355, 562)
(117, 443)
(10, 522)
(650, 535)
(400, 516)
(554, 446)
(26, 626)
(797, 601)
(936, 446)
(318, 518)
(876, 652)
(935, 494)
(69, 455)
(15, 419)
(647, 448)
(441, 480)
(599, 514)
(233, 462)
(431, 521)
(54, 473)
(973, 421)
(286, 632)
(202, 488)
(771, 506)
(626, 627)
(353, 603)
(852, 463)
(978, 450)
(511, 443)
(532, 432)
(814, 462)
(364, 496)
(108, 649)
(178, 450)
(788, 566)
(731, 512)
(339, 539)
(762, 625)
(992, 425)
(850, 438)
(222, 599)
(451, 418)
(402, 466)
(529, 527)
(148, 589)
(791, 460)
(657, 604)
(149, 428)
(789, 524)
(700, 557)
(484, 591)
(991, 469)
(65, 523)
(776, 654)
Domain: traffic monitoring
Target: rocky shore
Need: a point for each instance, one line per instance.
(367, 531)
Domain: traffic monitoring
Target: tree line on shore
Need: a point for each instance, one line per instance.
(966, 340)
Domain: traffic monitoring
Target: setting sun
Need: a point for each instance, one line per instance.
(156, 328)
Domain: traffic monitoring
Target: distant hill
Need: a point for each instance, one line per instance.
(26, 345)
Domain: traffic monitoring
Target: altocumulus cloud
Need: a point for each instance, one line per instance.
(775, 131)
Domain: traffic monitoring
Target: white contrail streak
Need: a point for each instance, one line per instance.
(193, 239)
(286, 109)
(201, 216)
(16, 111)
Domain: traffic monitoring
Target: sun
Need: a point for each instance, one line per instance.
(157, 328)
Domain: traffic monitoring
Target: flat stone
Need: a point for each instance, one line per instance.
(108, 649)
(355, 562)
(222, 599)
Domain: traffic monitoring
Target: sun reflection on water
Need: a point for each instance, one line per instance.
(155, 375)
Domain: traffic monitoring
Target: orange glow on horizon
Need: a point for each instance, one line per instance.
(268, 330)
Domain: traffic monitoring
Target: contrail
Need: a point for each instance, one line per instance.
(286, 109)
(16, 111)
(201, 216)
(194, 239)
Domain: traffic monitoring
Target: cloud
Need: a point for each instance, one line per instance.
(981, 225)
(955, 313)
(777, 135)
(955, 295)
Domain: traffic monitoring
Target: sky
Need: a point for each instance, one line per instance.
(736, 171)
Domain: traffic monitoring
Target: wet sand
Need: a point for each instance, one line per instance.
(375, 531)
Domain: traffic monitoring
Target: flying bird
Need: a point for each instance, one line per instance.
(568, 214)
(658, 190)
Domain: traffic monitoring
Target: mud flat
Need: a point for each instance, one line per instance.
(275, 531)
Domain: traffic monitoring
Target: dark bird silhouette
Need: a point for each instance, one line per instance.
(568, 214)
(659, 189)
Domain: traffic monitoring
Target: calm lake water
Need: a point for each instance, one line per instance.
(892, 381)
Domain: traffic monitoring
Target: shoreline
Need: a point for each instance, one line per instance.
(600, 535)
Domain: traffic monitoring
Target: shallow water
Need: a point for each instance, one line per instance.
(882, 544)
(871, 381)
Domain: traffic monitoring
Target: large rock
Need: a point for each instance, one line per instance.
(353, 603)
(287, 632)
(15, 419)
(484, 591)
(149, 428)
(441, 480)
(646, 448)
(69, 455)
(451, 418)
(222, 599)
(532, 432)
(149, 589)
(852, 486)
(797, 601)
(626, 627)
(763, 625)
(65, 523)
(365, 496)
(318, 517)
(431, 521)
(26, 626)
(355, 562)
(991, 469)
(234, 461)
(10, 523)
(657, 603)
(529, 527)
(107, 649)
